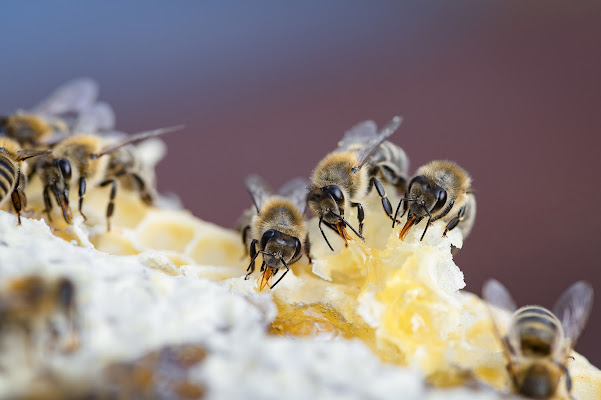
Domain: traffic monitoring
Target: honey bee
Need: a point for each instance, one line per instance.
(277, 227)
(345, 176)
(538, 342)
(71, 107)
(80, 159)
(439, 190)
(12, 177)
(30, 301)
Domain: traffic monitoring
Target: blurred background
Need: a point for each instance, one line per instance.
(510, 90)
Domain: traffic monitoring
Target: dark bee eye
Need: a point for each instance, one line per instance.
(297, 250)
(267, 236)
(441, 199)
(335, 192)
(65, 167)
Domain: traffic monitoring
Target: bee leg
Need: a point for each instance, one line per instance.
(455, 221)
(568, 378)
(145, 195)
(323, 233)
(283, 275)
(82, 192)
(253, 255)
(245, 231)
(111, 206)
(47, 202)
(385, 202)
(360, 215)
(308, 249)
(18, 198)
(66, 295)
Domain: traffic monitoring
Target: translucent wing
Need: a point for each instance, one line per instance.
(573, 308)
(372, 144)
(359, 134)
(97, 118)
(259, 190)
(296, 190)
(497, 295)
(73, 96)
(138, 137)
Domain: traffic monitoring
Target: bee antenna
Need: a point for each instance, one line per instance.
(429, 219)
(136, 138)
(284, 274)
(394, 220)
(324, 234)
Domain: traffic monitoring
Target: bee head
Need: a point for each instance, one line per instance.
(538, 381)
(327, 202)
(56, 175)
(278, 247)
(426, 197)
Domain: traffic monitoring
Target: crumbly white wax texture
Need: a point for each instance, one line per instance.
(126, 308)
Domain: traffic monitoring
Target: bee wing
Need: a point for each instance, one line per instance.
(73, 96)
(100, 117)
(573, 308)
(372, 144)
(136, 138)
(359, 134)
(258, 189)
(497, 296)
(296, 190)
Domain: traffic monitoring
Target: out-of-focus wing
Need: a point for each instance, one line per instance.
(296, 190)
(572, 309)
(258, 189)
(138, 137)
(73, 96)
(359, 134)
(100, 117)
(372, 144)
(497, 296)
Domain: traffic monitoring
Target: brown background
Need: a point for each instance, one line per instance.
(511, 90)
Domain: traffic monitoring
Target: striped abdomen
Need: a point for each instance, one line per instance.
(537, 330)
(8, 173)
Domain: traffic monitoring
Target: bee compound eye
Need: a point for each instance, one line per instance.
(441, 199)
(267, 236)
(65, 167)
(335, 192)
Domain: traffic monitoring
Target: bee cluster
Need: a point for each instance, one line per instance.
(538, 342)
(69, 140)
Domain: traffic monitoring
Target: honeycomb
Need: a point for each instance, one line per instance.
(404, 300)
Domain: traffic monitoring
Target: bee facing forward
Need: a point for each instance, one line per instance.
(31, 302)
(538, 342)
(439, 190)
(12, 177)
(277, 227)
(69, 108)
(80, 159)
(346, 175)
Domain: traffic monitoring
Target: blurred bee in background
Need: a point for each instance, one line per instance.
(12, 173)
(346, 175)
(80, 158)
(277, 227)
(31, 302)
(538, 342)
(70, 108)
(439, 190)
